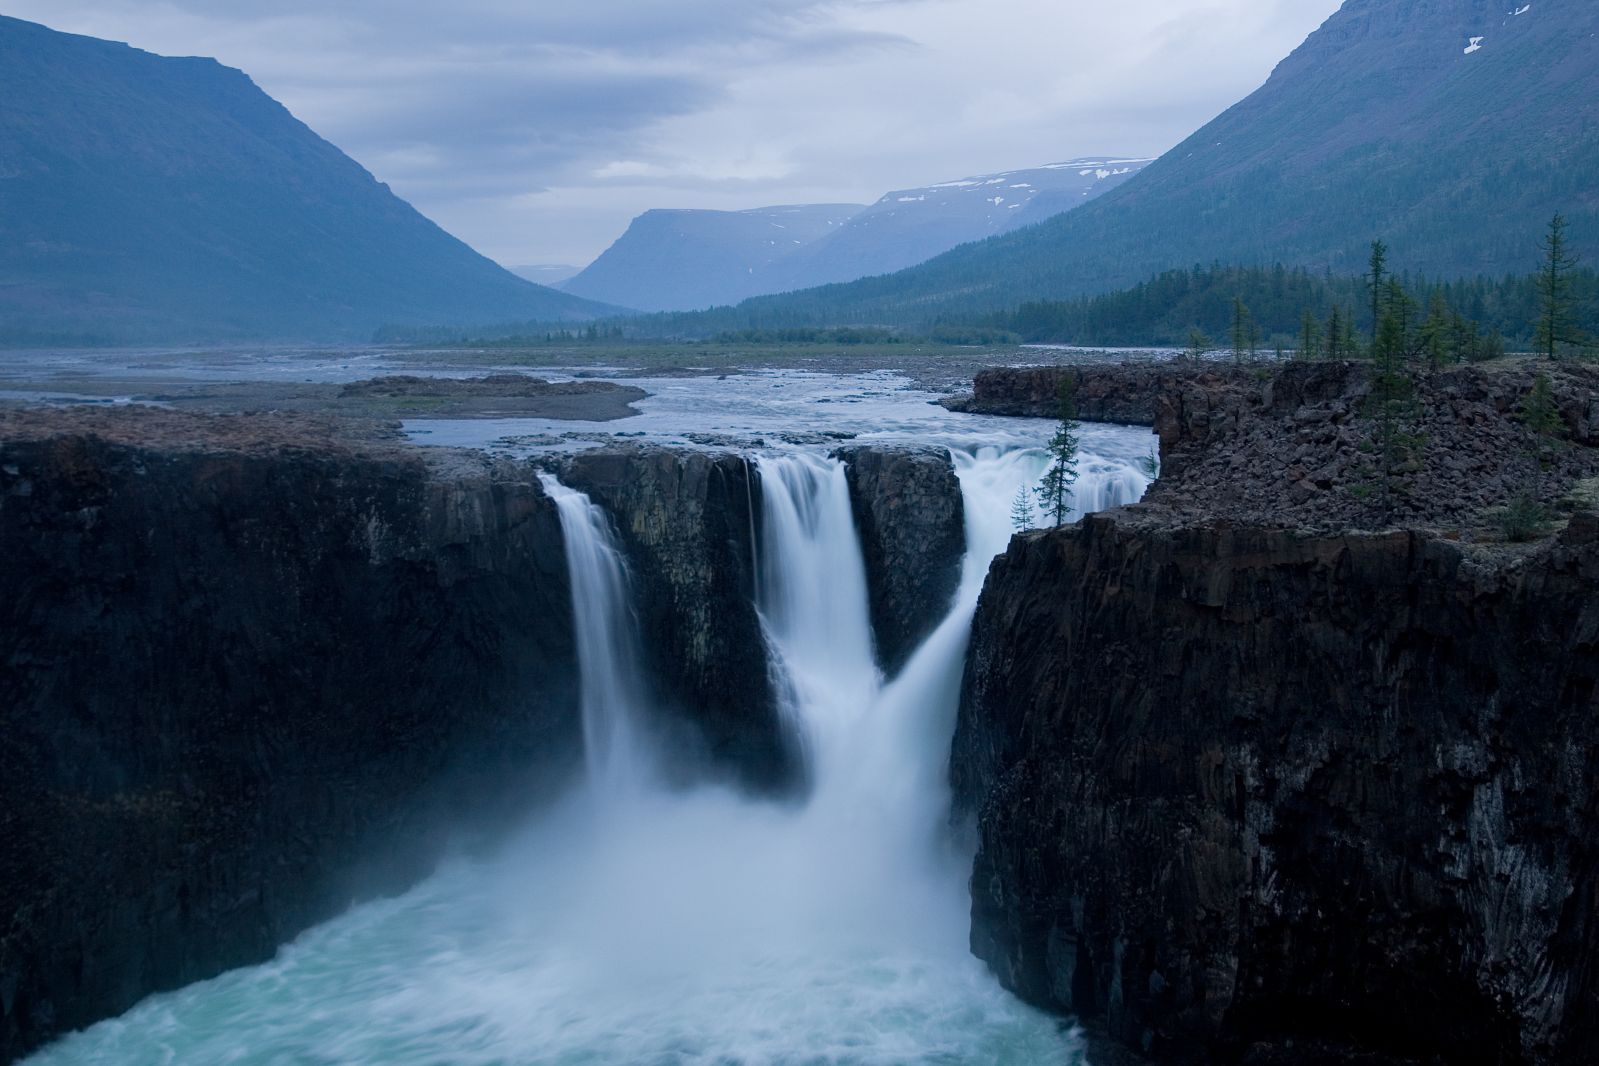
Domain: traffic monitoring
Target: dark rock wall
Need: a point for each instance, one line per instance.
(240, 690)
(1124, 393)
(688, 521)
(912, 522)
(1236, 788)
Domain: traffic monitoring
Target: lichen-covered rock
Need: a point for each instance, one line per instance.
(912, 523)
(249, 673)
(1246, 792)
(687, 522)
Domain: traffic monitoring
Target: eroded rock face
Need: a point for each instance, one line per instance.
(1124, 393)
(246, 678)
(912, 522)
(687, 520)
(1240, 790)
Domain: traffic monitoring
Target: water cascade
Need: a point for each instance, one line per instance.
(613, 688)
(637, 924)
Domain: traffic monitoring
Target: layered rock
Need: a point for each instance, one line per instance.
(1123, 393)
(1259, 776)
(912, 523)
(252, 671)
(1241, 787)
(687, 521)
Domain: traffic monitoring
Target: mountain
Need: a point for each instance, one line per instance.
(685, 260)
(545, 273)
(144, 198)
(910, 226)
(1452, 129)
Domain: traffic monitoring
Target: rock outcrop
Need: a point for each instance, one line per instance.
(249, 672)
(1260, 777)
(912, 522)
(687, 520)
(1124, 393)
(1239, 787)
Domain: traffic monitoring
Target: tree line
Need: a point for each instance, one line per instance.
(1271, 309)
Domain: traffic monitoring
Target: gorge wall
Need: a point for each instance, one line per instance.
(1274, 776)
(251, 673)
(256, 668)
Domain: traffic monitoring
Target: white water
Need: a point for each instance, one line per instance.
(613, 689)
(633, 925)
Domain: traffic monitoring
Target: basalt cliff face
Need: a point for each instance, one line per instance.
(1261, 775)
(912, 522)
(688, 521)
(251, 673)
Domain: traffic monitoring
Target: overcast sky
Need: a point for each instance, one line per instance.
(535, 129)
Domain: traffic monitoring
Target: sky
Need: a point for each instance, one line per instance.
(535, 130)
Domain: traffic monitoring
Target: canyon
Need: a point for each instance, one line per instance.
(1254, 771)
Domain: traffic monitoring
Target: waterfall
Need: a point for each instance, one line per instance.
(609, 662)
(687, 926)
(812, 599)
(878, 751)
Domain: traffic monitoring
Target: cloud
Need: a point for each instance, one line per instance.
(535, 129)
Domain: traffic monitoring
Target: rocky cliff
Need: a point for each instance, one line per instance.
(254, 668)
(1259, 776)
(251, 672)
(1124, 393)
(912, 523)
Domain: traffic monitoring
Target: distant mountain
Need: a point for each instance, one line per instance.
(1453, 129)
(911, 226)
(546, 273)
(144, 198)
(686, 260)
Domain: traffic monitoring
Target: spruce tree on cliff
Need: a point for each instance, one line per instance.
(1245, 332)
(1055, 488)
(1539, 412)
(1021, 511)
(1374, 278)
(1554, 291)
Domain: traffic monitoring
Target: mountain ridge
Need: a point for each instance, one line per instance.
(146, 197)
(1369, 129)
(685, 260)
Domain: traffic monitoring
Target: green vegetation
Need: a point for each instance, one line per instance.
(1392, 404)
(1555, 324)
(1021, 510)
(1539, 412)
(1166, 310)
(1523, 519)
(1055, 488)
(1246, 334)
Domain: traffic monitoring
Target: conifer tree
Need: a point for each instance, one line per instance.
(1244, 331)
(1309, 336)
(1375, 277)
(1436, 333)
(1198, 344)
(1554, 290)
(1021, 510)
(1539, 412)
(1055, 488)
(1335, 335)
